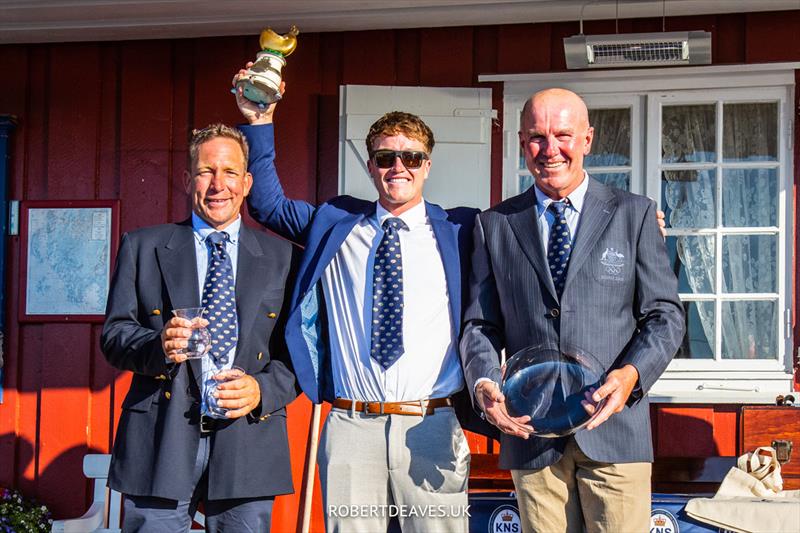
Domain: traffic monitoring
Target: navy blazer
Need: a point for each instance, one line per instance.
(321, 230)
(624, 313)
(158, 434)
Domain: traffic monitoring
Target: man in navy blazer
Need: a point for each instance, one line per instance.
(612, 294)
(171, 450)
(388, 363)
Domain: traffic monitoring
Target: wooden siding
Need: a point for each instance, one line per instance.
(111, 120)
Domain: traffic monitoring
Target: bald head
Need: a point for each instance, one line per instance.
(549, 98)
(555, 136)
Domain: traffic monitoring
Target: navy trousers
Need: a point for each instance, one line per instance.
(145, 514)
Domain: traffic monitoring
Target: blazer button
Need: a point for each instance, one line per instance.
(155, 312)
(271, 315)
(260, 355)
(161, 377)
(554, 312)
(167, 395)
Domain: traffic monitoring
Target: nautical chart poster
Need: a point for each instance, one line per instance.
(67, 259)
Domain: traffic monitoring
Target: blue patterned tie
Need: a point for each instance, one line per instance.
(387, 296)
(219, 298)
(559, 247)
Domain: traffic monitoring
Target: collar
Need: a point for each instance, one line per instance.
(202, 230)
(415, 216)
(575, 198)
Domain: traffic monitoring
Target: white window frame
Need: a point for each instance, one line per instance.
(685, 381)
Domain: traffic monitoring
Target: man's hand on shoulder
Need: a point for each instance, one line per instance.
(492, 403)
(616, 389)
(662, 223)
(239, 396)
(254, 114)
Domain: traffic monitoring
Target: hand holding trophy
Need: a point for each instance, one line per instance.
(261, 83)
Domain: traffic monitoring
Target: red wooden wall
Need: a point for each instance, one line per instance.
(111, 120)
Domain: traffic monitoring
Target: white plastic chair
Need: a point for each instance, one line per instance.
(103, 515)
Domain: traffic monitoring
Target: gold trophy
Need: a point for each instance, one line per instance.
(262, 82)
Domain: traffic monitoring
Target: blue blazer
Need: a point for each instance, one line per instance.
(321, 230)
(158, 434)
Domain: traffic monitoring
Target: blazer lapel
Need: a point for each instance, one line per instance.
(598, 208)
(338, 233)
(447, 238)
(525, 226)
(252, 273)
(178, 264)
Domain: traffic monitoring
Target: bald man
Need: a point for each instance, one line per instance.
(572, 262)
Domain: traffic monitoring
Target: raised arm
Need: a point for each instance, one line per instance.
(267, 203)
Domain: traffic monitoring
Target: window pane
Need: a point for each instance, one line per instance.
(525, 181)
(750, 197)
(749, 263)
(750, 132)
(688, 133)
(692, 260)
(749, 330)
(522, 165)
(611, 146)
(698, 343)
(687, 198)
(620, 180)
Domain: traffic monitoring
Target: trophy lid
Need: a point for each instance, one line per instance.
(283, 44)
(549, 384)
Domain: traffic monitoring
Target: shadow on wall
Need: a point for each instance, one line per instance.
(60, 484)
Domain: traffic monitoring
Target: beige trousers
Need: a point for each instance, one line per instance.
(577, 491)
(374, 467)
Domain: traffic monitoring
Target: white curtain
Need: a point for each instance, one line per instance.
(749, 198)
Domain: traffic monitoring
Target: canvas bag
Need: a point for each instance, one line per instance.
(751, 499)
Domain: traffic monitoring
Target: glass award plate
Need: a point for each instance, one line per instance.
(548, 385)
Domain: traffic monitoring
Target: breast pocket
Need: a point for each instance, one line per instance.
(612, 264)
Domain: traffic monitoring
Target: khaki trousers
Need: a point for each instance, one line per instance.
(577, 491)
(373, 467)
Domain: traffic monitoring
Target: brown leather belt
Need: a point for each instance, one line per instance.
(412, 408)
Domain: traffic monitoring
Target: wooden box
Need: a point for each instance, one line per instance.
(762, 425)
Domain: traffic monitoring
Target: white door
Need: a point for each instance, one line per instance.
(461, 120)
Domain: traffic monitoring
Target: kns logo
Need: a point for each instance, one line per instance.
(663, 522)
(505, 520)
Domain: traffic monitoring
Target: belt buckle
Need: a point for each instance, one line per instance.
(366, 409)
(206, 425)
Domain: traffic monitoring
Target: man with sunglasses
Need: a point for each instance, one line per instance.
(373, 327)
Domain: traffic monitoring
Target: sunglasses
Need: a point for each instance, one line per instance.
(410, 159)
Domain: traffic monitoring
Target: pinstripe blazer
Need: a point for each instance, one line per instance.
(629, 315)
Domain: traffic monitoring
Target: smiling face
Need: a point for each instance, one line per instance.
(555, 136)
(399, 188)
(218, 182)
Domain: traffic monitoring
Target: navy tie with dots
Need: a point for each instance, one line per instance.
(559, 247)
(219, 298)
(387, 296)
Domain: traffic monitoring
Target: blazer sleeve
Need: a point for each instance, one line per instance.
(267, 203)
(482, 336)
(125, 342)
(276, 380)
(659, 313)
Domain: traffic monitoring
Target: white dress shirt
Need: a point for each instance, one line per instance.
(429, 367)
